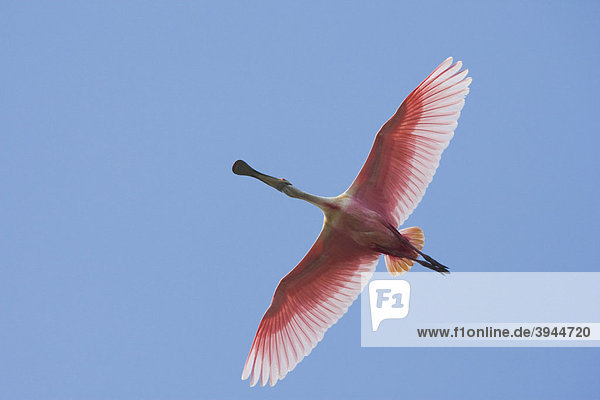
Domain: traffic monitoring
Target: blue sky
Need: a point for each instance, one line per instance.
(136, 265)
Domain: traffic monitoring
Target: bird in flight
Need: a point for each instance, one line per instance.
(359, 225)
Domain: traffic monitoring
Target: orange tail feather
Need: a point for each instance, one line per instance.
(399, 265)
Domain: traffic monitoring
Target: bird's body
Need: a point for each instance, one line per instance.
(359, 226)
(366, 228)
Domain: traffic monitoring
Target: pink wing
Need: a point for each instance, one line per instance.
(407, 149)
(307, 301)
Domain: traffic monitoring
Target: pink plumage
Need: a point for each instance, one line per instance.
(307, 301)
(359, 225)
(407, 149)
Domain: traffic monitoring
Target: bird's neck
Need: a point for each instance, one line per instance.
(323, 203)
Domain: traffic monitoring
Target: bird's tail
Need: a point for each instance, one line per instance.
(399, 265)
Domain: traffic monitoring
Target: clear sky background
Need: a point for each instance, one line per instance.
(135, 265)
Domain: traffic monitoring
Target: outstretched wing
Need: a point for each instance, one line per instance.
(307, 301)
(407, 149)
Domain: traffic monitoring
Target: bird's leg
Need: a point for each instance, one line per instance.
(433, 265)
(428, 262)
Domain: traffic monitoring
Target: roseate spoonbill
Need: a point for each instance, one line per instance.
(359, 225)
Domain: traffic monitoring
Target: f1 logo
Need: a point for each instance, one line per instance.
(389, 299)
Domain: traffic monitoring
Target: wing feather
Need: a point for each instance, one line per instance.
(307, 302)
(408, 148)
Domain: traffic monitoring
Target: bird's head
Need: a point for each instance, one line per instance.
(240, 167)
